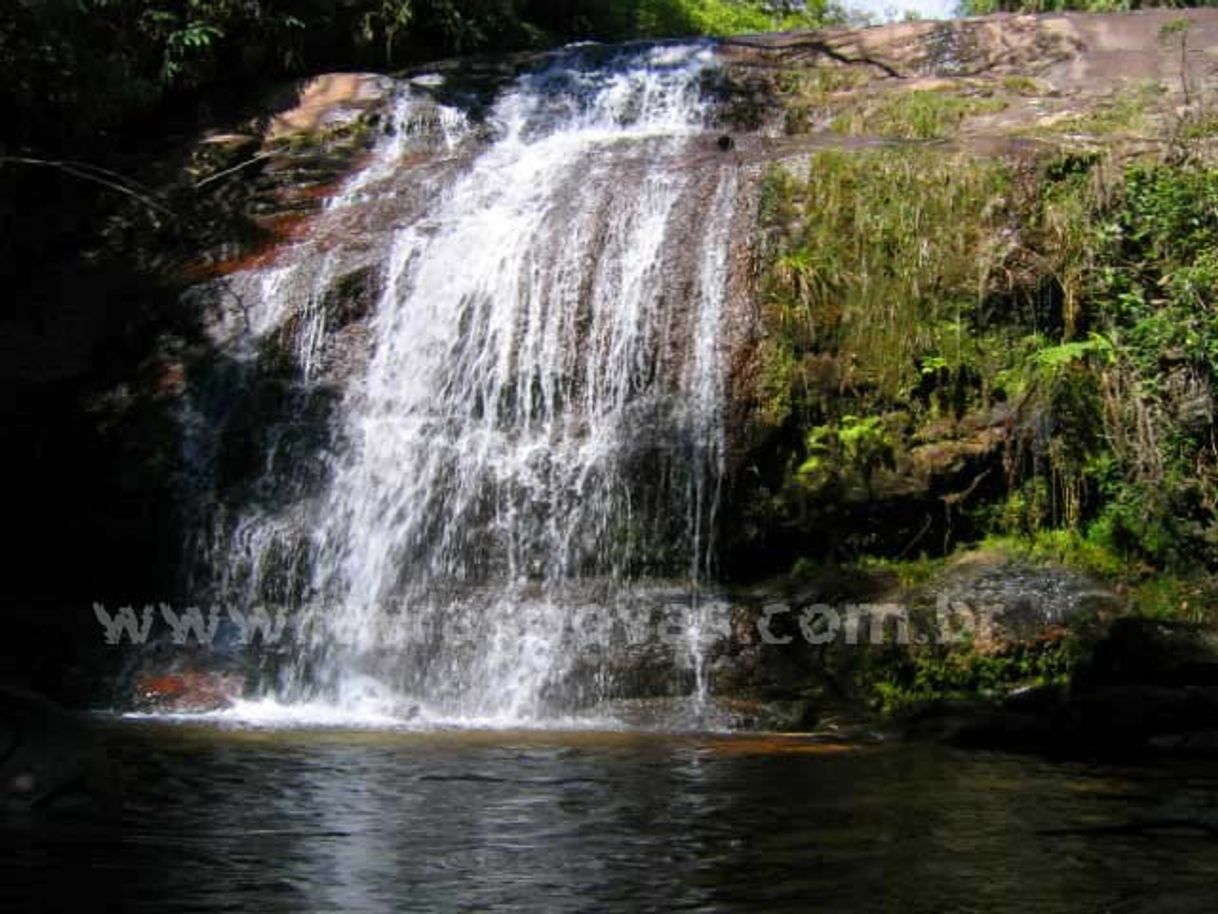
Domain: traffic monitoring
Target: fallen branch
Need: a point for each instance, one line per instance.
(228, 171)
(821, 47)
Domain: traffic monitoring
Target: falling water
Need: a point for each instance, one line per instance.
(538, 429)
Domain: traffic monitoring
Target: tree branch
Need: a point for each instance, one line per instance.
(97, 175)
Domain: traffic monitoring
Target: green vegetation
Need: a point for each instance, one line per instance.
(915, 299)
(1022, 85)
(935, 673)
(75, 66)
(1062, 547)
(985, 7)
(1024, 355)
(665, 18)
(907, 573)
(861, 445)
(923, 114)
(1126, 112)
(97, 91)
(838, 96)
(808, 95)
(1155, 290)
(878, 259)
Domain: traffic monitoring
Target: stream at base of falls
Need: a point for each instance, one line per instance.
(338, 820)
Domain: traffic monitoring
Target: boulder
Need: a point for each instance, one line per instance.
(1152, 652)
(190, 692)
(1146, 687)
(47, 756)
(1008, 601)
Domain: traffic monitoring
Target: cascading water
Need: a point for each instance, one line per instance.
(538, 429)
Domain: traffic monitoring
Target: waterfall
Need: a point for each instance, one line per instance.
(521, 478)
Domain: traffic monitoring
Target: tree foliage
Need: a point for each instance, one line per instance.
(984, 7)
(74, 67)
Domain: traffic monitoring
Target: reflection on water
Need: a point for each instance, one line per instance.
(218, 819)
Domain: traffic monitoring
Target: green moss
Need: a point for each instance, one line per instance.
(1172, 597)
(668, 18)
(878, 257)
(936, 673)
(777, 372)
(1022, 85)
(1128, 111)
(922, 114)
(909, 573)
(1068, 548)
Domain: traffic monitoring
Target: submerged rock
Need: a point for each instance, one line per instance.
(677, 714)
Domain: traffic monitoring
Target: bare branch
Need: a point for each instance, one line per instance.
(97, 175)
(228, 171)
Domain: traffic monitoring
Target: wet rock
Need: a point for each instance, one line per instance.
(1012, 602)
(758, 670)
(1152, 652)
(951, 456)
(1201, 742)
(1129, 716)
(792, 716)
(1147, 687)
(328, 101)
(686, 713)
(191, 692)
(649, 670)
(667, 713)
(984, 603)
(1035, 699)
(47, 757)
(948, 721)
(351, 296)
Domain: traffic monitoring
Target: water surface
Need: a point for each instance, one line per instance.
(330, 820)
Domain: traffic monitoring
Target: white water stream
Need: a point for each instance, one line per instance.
(539, 427)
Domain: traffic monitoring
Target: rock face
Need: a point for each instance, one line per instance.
(1145, 687)
(998, 96)
(255, 187)
(1057, 66)
(1019, 602)
(1152, 653)
(831, 648)
(896, 447)
(328, 101)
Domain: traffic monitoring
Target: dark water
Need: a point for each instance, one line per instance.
(354, 821)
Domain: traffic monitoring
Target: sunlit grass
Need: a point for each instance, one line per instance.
(887, 252)
(923, 114)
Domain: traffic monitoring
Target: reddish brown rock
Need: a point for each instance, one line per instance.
(187, 692)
